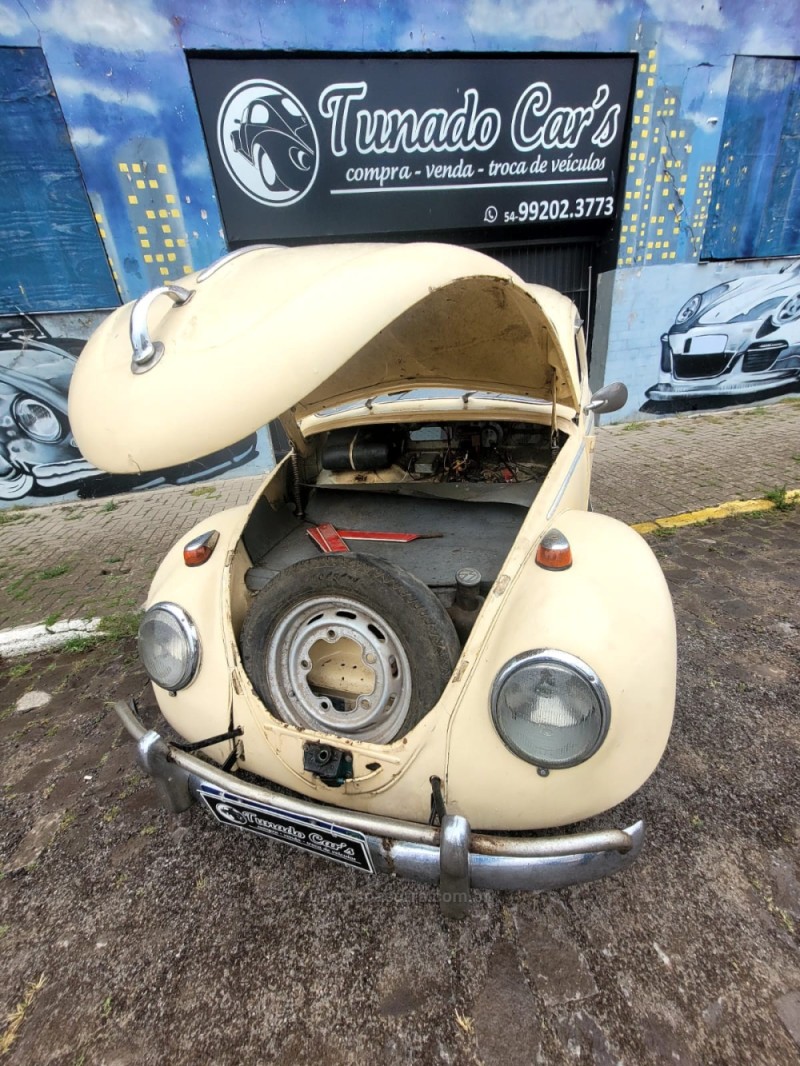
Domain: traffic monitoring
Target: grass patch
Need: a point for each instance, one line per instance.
(629, 426)
(19, 589)
(7, 518)
(203, 490)
(779, 498)
(19, 670)
(113, 627)
(777, 912)
(76, 645)
(110, 506)
(120, 626)
(130, 788)
(17, 1015)
(51, 619)
(53, 571)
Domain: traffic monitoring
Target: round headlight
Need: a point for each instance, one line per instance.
(38, 420)
(550, 708)
(168, 646)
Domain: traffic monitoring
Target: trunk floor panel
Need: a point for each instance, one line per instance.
(473, 534)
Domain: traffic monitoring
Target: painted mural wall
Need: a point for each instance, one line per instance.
(39, 460)
(698, 338)
(129, 200)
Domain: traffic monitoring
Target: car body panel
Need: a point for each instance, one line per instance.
(620, 589)
(245, 349)
(626, 633)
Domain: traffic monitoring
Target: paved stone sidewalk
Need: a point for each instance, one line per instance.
(97, 557)
(648, 470)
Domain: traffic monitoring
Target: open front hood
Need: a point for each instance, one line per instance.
(276, 330)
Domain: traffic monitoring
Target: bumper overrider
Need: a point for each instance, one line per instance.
(449, 855)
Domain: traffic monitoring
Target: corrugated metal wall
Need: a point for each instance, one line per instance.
(566, 266)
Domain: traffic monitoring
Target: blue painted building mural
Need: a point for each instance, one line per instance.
(42, 194)
(118, 193)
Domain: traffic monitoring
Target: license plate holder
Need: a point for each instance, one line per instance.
(314, 835)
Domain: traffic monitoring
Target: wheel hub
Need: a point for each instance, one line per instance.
(338, 667)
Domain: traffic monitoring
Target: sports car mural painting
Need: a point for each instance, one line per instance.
(38, 453)
(737, 340)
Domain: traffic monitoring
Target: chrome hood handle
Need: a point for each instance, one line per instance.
(145, 352)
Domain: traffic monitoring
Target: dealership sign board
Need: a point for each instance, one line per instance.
(307, 147)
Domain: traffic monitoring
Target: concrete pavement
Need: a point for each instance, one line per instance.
(97, 557)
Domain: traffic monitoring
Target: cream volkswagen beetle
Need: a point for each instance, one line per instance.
(418, 645)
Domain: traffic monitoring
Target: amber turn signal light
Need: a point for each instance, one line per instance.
(200, 549)
(554, 552)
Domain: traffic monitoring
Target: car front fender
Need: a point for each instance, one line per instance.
(203, 708)
(612, 609)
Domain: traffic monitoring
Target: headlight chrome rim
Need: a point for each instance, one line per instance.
(25, 414)
(539, 656)
(189, 631)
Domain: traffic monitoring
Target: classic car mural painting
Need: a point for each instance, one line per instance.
(38, 455)
(737, 341)
(274, 140)
(37, 452)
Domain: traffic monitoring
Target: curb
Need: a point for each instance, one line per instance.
(707, 514)
(30, 640)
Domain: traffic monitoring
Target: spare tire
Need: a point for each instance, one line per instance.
(349, 645)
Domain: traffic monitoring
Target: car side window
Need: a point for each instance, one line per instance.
(259, 114)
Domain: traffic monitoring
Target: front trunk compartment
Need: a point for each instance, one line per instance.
(464, 487)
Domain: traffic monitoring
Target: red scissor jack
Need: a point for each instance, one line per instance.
(330, 540)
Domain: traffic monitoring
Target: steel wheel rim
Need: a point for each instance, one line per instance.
(336, 666)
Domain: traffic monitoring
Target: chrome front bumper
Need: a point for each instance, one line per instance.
(449, 855)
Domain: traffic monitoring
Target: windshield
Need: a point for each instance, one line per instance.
(760, 310)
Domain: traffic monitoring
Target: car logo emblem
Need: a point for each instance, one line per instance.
(268, 142)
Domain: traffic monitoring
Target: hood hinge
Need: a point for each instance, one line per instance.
(554, 413)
